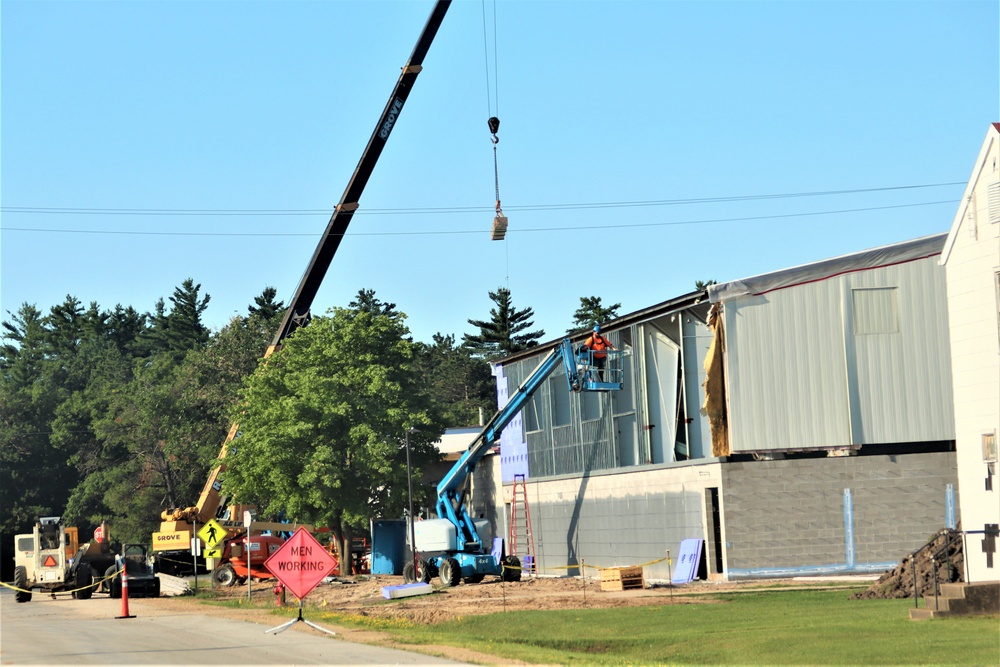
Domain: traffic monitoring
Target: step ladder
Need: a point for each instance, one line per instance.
(520, 527)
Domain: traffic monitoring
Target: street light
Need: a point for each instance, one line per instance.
(409, 484)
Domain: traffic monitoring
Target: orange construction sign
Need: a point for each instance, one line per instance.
(50, 562)
(300, 563)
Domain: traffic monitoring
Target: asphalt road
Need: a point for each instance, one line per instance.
(65, 631)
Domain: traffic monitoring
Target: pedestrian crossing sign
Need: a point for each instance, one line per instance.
(212, 533)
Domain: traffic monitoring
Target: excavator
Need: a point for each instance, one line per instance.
(172, 543)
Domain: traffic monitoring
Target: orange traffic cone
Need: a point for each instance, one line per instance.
(121, 564)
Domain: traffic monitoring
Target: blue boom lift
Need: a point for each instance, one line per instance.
(454, 546)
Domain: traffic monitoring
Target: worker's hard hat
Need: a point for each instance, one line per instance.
(597, 328)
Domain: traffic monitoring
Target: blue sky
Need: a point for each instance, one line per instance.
(189, 111)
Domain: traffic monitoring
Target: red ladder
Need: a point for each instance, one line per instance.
(518, 532)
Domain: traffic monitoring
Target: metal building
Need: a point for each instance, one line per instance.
(823, 443)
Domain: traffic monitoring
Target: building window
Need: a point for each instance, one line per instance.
(559, 391)
(590, 405)
(532, 422)
(876, 311)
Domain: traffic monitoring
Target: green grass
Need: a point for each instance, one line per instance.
(766, 628)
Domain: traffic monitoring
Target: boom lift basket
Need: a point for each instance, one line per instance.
(594, 378)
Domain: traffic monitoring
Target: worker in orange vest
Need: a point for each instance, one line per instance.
(598, 345)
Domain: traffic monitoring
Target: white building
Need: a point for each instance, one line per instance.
(971, 257)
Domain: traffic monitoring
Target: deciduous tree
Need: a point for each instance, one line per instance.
(323, 424)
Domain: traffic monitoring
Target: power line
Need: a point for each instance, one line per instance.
(52, 210)
(577, 227)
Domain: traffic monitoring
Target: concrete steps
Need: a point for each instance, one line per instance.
(960, 599)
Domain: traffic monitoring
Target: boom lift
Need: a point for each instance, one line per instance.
(173, 541)
(454, 546)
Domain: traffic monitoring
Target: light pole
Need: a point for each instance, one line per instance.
(409, 484)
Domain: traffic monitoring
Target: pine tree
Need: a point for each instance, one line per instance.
(265, 307)
(185, 330)
(366, 301)
(592, 312)
(125, 327)
(506, 331)
(457, 383)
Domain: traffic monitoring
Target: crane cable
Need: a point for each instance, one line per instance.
(493, 102)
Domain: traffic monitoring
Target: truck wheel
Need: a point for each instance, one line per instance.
(224, 575)
(409, 576)
(84, 582)
(513, 570)
(450, 572)
(21, 582)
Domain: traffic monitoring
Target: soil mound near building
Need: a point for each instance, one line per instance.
(942, 553)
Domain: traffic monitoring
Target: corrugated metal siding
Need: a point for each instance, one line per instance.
(802, 374)
(901, 382)
(785, 369)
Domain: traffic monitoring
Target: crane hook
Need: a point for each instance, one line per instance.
(494, 124)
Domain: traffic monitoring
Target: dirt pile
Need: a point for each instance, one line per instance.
(364, 597)
(943, 552)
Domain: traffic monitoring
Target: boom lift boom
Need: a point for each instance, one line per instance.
(453, 545)
(176, 529)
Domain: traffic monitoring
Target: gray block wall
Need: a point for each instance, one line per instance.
(616, 520)
(788, 517)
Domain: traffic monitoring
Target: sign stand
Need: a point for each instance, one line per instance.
(285, 626)
(195, 552)
(300, 564)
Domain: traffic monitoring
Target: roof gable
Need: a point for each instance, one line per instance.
(992, 135)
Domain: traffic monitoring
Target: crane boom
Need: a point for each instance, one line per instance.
(298, 309)
(176, 528)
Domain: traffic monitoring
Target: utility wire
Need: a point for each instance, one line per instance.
(603, 226)
(70, 210)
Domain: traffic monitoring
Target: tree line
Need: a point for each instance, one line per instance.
(118, 414)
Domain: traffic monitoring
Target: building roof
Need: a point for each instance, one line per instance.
(896, 253)
(662, 308)
(992, 135)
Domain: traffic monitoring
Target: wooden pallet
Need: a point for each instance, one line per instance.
(622, 579)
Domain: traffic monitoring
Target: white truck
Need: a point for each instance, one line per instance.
(45, 560)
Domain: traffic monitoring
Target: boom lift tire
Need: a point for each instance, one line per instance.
(84, 582)
(224, 575)
(21, 582)
(423, 574)
(450, 572)
(512, 569)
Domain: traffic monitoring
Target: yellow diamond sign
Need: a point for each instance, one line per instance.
(212, 534)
